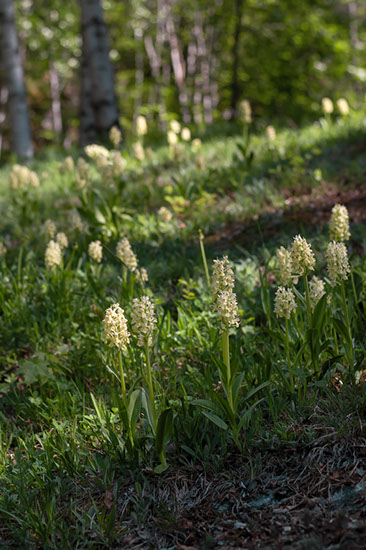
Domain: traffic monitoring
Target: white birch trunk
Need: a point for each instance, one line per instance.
(95, 46)
(13, 71)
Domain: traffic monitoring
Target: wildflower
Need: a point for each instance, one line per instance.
(271, 133)
(115, 136)
(343, 106)
(143, 320)
(125, 254)
(172, 138)
(226, 307)
(196, 144)
(327, 105)
(185, 134)
(49, 229)
(96, 151)
(165, 214)
(69, 164)
(22, 177)
(142, 276)
(284, 302)
(115, 327)
(2, 249)
(284, 263)
(222, 277)
(53, 255)
(245, 111)
(62, 240)
(174, 126)
(138, 151)
(316, 291)
(95, 251)
(339, 224)
(337, 262)
(302, 256)
(141, 125)
(118, 163)
(360, 377)
(76, 223)
(82, 168)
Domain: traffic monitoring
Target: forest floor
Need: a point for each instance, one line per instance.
(299, 481)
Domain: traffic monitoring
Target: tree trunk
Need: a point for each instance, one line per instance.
(55, 100)
(235, 90)
(13, 71)
(88, 125)
(98, 66)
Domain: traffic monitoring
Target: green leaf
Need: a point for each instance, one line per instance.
(215, 419)
(146, 405)
(134, 406)
(342, 329)
(319, 313)
(256, 390)
(248, 413)
(161, 468)
(163, 430)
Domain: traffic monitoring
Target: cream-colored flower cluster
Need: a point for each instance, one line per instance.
(142, 276)
(125, 253)
(226, 307)
(118, 163)
(95, 151)
(327, 105)
(138, 151)
(196, 144)
(271, 133)
(339, 224)
(245, 111)
(2, 249)
(337, 262)
(95, 251)
(224, 299)
(143, 320)
(115, 136)
(82, 173)
(316, 291)
(174, 126)
(343, 106)
(115, 327)
(141, 126)
(285, 302)
(222, 277)
(68, 166)
(165, 214)
(53, 255)
(62, 240)
(185, 134)
(302, 256)
(76, 223)
(284, 264)
(21, 177)
(49, 228)
(172, 138)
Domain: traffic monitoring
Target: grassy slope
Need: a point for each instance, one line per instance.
(64, 483)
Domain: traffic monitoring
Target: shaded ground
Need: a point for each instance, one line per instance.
(309, 209)
(309, 499)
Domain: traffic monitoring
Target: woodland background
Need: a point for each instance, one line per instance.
(193, 60)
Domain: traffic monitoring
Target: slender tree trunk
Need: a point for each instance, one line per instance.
(13, 70)
(178, 63)
(95, 47)
(235, 90)
(3, 101)
(88, 125)
(55, 100)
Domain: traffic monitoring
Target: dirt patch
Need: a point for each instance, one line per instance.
(313, 499)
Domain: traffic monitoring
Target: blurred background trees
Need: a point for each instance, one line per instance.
(189, 59)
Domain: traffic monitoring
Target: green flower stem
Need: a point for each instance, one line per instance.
(204, 257)
(287, 346)
(121, 375)
(307, 299)
(226, 359)
(150, 384)
(346, 316)
(124, 393)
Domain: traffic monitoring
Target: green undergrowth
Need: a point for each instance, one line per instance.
(78, 458)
